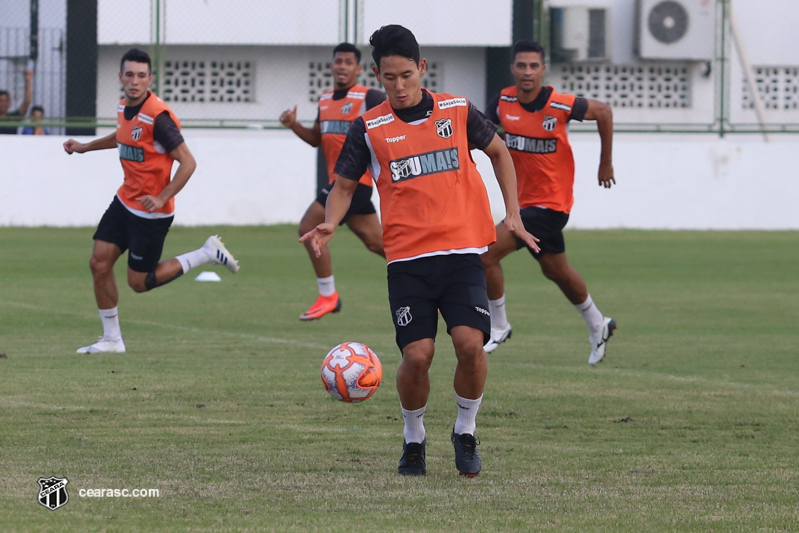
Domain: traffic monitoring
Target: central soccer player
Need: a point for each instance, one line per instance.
(436, 222)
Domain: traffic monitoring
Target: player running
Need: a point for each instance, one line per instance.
(149, 140)
(337, 109)
(535, 120)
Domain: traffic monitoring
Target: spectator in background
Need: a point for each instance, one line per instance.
(10, 121)
(35, 128)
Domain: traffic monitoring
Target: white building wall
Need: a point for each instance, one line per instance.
(269, 177)
(282, 38)
(16, 14)
(766, 25)
(443, 22)
(307, 22)
(265, 177)
(281, 78)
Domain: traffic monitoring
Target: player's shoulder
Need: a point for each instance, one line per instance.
(357, 92)
(155, 102)
(448, 101)
(374, 97)
(153, 107)
(372, 93)
(507, 95)
(561, 101)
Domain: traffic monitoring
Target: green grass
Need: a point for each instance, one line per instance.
(690, 424)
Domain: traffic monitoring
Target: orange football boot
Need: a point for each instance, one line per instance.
(322, 306)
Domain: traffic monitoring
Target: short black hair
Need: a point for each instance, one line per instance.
(526, 46)
(138, 56)
(347, 47)
(37, 108)
(4, 92)
(394, 40)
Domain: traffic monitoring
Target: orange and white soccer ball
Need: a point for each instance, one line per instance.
(351, 372)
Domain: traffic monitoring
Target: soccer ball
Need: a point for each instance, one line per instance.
(351, 372)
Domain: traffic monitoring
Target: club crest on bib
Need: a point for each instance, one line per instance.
(549, 123)
(444, 128)
(135, 134)
(403, 315)
(346, 109)
(400, 169)
(53, 492)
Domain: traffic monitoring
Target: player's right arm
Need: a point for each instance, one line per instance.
(103, 143)
(603, 114)
(312, 136)
(336, 207)
(351, 165)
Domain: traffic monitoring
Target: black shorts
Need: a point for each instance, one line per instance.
(361, 201)
(144, 237)
(547, 225)
(454, 284)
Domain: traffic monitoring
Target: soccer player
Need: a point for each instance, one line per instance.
(12, 119)
(149, 141)
(436, 221)
(337, 109)
(535, 122)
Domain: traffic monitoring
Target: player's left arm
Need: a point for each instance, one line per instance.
(167, 133)
(506, 177)
(603, 114)
(186, 166)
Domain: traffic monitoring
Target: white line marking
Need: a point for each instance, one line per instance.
(188, 329)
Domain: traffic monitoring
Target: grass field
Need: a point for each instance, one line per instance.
(690, 424)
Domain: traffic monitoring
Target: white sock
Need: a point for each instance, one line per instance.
(414, 424)
(591, 314)
(327, 286)
(193, 259)
(110, 319)
(467, 415)
(499, 318)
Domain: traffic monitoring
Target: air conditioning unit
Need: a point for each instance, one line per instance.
(676, 29)
(579, 34)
